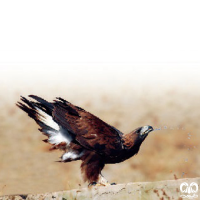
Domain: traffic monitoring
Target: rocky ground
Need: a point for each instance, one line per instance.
(169, 189)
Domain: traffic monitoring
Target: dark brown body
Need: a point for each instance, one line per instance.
(93, 162)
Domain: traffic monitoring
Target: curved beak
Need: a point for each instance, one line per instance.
(150, 128)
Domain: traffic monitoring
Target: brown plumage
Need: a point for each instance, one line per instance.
(83, 136)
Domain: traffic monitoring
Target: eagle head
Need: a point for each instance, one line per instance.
(144, 131)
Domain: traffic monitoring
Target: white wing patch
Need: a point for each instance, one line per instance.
(71, 155)
(58, 137)
(55, 135)
(47, 119)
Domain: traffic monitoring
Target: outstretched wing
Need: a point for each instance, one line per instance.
(64, 123)
(89, 131)
(41, 111)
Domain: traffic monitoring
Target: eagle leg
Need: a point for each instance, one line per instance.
(92, 184)
(91, 168)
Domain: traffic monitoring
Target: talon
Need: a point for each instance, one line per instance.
(92, 184)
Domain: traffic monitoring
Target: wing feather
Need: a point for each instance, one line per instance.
(89, 131)
(65, 123)
(41, 111)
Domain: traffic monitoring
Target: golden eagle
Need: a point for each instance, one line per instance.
(83, 136)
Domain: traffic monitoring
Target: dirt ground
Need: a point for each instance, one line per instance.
(172, 152)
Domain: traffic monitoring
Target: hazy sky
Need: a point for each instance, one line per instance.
(138, 76)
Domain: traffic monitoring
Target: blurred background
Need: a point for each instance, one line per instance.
(125, 96)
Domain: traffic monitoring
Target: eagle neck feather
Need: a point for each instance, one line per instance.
(132, 142)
